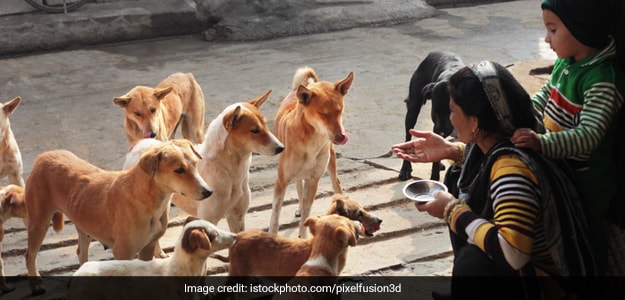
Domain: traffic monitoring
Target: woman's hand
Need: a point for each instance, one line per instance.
(436, 207)
(526, 138)
(425, 147)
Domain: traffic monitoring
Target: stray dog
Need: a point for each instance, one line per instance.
(254, 252)
(131, 203)
(309, 123)
(343, 206)
(231, 138)
(198, 240)
(336, 234)
(429, 81)
(157, 112)
(12, 205)
(11, 164)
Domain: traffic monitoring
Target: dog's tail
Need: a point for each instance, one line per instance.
(57, 221)
(304, 76)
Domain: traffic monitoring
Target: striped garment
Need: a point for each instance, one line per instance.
(579, 103)
(514, 234)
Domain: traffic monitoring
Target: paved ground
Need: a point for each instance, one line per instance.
(67, 103)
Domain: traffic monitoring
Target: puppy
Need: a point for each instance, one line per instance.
(336, 234)
(253, 253)
(12, 205)
(157, 112)
(198, 240)
(343, 206)
(132, 203)
(240, 130)
(11, 163)
(429, 81)
(309, 123)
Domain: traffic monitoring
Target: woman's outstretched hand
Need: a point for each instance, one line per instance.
(426, 146)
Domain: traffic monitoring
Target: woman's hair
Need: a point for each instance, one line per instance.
(468, 93)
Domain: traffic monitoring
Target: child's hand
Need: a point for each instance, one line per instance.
(526, 138)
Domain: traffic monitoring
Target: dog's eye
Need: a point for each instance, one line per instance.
(360, 215)
(152, 110)
(255, 131)
(138, 114)
(179, 170)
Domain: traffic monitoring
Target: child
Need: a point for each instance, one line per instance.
(580, 103)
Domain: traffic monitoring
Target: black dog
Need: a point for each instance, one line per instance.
(429, 81)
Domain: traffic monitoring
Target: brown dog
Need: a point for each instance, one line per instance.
(308, 122)
(255, 250)
(122, 209)
(336, 234)
(157, 112)
(11, 206)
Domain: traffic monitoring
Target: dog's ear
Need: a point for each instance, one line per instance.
(232, 118)
(310, 223)
(161, 93)
(426, 91)
(122, 101)
(344, 84)
(258, 101)
(150, 160)
(184, 143)
(346, 237)
(304, 95)
(337, 207)
(10, 106)
(195, 238)
(189, 219)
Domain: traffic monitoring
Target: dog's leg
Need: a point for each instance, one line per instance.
(84, 240)
(278, 198)
(332, 171)
(436, 170)
(158, 251)
(412, 113)
(4, 287)
(147, 253)
(310, 190)
(298, 187)
(36, 233)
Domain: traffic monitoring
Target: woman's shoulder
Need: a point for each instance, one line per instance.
(511, 164)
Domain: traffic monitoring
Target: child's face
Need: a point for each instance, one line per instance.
(559, 38)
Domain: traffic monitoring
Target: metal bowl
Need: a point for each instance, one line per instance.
(423, 190)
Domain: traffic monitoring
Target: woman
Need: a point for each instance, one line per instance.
(498, 228)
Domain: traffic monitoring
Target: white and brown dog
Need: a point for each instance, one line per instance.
(157, 112)
(309, 123)
(12, 205)
(198, 240)
(253, 253)
(132, 203)
(11, 163)
(336, 234)
(231, 138)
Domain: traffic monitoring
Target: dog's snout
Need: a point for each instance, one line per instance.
(378, 220)
(340, 139)
(206, 193)
(279, 150)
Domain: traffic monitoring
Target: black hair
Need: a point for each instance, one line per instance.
(467, 92)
